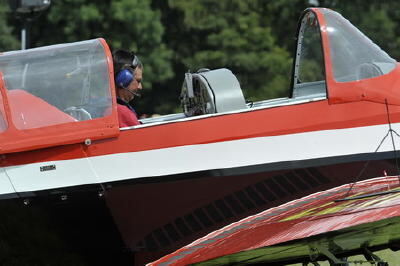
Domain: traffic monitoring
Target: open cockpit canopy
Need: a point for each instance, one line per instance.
(56, 94)
(334, 57)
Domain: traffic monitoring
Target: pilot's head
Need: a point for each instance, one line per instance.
(128, 74)
(128, 83)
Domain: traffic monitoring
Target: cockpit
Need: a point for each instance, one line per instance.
(70, 80)
(332, 58)
(48, 87)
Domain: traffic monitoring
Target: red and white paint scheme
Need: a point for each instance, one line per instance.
(177, 177)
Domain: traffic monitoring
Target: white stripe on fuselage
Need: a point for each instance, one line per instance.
(192, 158)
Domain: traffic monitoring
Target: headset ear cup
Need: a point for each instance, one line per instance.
(124, 78)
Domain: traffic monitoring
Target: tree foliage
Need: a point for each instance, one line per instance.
(234, 35)
(8, 41)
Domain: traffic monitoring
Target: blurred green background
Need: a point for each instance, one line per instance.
(253, 38)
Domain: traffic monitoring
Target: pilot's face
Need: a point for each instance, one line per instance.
(134, 87)
(136, 84)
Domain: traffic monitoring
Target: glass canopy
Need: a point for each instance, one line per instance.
(57, 84)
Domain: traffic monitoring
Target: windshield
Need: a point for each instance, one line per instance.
(309, 72)
(56, 84)
(354, 56)
(311, 62)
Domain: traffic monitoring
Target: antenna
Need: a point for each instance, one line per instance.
(391, 135)
(390, 131)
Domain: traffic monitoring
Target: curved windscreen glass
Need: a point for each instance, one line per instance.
(311, 61)
(57, 84)
(309, 75)
(354, 56)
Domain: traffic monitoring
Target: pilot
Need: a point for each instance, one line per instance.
(128, 82)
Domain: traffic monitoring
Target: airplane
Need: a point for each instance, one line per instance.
(351, 219)
(172, 179)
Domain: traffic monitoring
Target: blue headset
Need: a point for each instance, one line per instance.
(124, 78)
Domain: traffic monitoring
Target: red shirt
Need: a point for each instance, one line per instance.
(126, 117)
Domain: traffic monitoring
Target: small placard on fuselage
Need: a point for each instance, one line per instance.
(47, 168)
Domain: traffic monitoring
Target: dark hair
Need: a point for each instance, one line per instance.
(123, 59)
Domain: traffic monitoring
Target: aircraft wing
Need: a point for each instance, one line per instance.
(347, 220)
